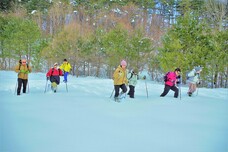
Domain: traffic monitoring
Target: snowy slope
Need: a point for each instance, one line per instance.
(85, 119)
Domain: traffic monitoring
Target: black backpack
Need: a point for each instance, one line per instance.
(132, 75)
(166, 77)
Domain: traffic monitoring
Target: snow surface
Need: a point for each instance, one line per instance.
(85, 119)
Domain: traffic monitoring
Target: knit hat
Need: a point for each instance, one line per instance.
(178, 69)
(198, 68)
(123, 63)
(55, 64)
(65, 60)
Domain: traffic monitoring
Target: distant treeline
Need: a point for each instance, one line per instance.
(152, 35)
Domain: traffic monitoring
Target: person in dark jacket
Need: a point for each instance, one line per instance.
(23, 69)
(54, 76)
(171, 83)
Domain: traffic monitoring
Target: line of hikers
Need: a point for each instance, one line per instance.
(54, 73)
(121, 78)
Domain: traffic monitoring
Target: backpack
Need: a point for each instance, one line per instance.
(53, 71)
(166, 76)
(132, 75)
(187, 77)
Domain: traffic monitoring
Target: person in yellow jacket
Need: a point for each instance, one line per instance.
(65, 67)
(23, 69)
(120, 79)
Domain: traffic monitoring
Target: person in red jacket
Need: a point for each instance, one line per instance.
(170, 83)
(53, 75)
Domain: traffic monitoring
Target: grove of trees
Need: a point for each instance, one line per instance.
(95, 35)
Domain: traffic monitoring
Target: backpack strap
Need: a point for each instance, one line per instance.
(53, 71)
(131, 76)
(20, 66)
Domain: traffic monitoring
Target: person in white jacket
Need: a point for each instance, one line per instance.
(133, 77)
(193, 78)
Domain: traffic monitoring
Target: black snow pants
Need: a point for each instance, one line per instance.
(20, 83)
(131, 92)
(117, 89)
(167, 88)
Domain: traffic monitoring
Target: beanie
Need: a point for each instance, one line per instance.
(198, 68)
(178, 69)
(65, 60)
(123, 63)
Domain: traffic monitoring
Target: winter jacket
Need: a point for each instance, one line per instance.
(23, 71)
(120, 76)
(132, 79)
(54, 74)
(171, 79)
(66, 67)
(193, 77)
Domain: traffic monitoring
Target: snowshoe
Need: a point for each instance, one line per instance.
(116, 99)
(189, 94)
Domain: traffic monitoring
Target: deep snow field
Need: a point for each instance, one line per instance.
(85, 119)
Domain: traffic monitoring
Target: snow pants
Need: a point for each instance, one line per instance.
(167, 88)
(65, 76)
(20, 83)
(131, 92)
(117, 89)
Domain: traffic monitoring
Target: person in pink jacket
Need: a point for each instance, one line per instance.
(170, 83)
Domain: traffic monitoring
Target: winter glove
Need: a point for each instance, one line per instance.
(127, 82)
(144, 77)
(27, 72)
(22, 71)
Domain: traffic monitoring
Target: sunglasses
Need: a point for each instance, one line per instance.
(23, 62)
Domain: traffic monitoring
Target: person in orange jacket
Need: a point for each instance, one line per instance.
(53, 75)
(23, 69)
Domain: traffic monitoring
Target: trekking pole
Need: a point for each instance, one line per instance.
(15, 88)
(180, 91)
(180, 85)
(197, 86)
(112, 92)
(46, 86)
(28, 86)
(146, 89)
(66, 87)
(197, 91)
